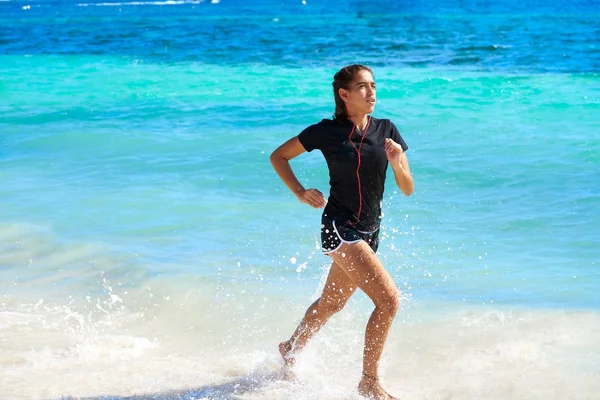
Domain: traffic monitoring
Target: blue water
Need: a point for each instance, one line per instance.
(532, 36)
(138, 203)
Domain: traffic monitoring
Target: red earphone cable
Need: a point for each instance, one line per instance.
(358, 163)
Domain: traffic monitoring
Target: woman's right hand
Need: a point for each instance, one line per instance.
(313, 198)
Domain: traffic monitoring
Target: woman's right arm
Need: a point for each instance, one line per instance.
(280, 159)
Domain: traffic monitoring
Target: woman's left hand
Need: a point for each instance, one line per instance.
(393, 151)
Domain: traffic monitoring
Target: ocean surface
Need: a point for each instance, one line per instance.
(149, 251)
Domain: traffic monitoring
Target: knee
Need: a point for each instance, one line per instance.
(390, 304)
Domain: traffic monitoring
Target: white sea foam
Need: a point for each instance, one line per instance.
(199, 342)
(139, 3)
(81, 332)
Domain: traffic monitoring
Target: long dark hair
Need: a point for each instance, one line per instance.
(342, 80)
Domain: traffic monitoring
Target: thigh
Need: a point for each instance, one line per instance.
(363, 267)
(339, 287)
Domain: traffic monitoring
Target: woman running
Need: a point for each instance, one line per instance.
(357, 149)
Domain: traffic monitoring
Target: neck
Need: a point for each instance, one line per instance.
(360, 121)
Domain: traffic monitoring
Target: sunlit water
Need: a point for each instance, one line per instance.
(148, 250)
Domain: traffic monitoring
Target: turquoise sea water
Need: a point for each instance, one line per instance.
(148, 248)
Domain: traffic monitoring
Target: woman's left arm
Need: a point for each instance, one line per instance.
(399, 162)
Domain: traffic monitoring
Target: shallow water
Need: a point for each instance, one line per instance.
(148, 250)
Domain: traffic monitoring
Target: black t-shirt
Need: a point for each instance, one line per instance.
(341, 153)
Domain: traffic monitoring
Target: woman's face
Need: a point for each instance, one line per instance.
(361, 95)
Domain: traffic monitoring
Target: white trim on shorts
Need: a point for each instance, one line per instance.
(368, 233)
(342, 240)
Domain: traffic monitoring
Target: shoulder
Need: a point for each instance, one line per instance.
(326, 127)
(328, 124)
(384, 125)
(387, 129)
(312, 136)
(322, 125)
(383, 122)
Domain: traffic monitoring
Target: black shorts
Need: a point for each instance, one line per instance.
(334, 232)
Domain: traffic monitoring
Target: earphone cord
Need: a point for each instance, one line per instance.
(358, 164)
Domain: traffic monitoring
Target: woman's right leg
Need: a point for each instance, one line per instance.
(338, 289)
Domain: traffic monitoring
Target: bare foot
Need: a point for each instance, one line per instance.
(370, 388)
(285, 349)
